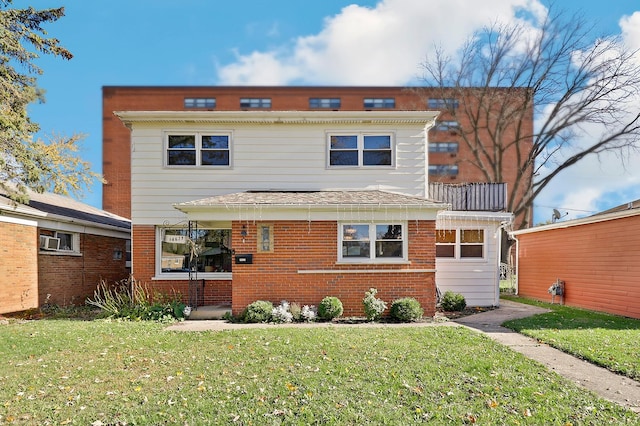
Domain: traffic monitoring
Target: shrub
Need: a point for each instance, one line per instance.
(406, 309)
(453, 301)
(258, 311)
(329, 308)
(308, 313)
(296, 311)
(282, 313)
(373, 307)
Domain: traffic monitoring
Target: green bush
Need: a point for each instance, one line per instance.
(329, 308)
(373, 307)
(406, 309)
(453, 301)
(258, 311)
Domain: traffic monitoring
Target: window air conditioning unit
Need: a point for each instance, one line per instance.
(49, 243)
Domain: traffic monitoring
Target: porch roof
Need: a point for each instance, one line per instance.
(267, 204)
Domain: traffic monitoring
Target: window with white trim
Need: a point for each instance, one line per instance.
(360, 150)
(212, 247)
(460, 243)
(59, 241)
(198, 149)
(363, 242)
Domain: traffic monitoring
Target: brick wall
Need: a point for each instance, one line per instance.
(302, 246)
(18, 267)
(70, 279)
(312, 246)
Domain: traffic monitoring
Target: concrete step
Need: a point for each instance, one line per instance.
(209, 312)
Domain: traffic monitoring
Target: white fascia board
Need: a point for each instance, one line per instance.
(63, 223)
(311, 213)
(475, 216)
(17, 220)
(426, 118)
(578, 222)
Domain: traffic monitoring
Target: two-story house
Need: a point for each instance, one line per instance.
(241, 194)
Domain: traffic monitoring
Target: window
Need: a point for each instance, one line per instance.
(198, 149)
(460, 244)
(447, 126)
(200, 102)
(450, 147)
(443, 169)
(255, 103)
(356, 240)
(360, 150)
(442, 103)
(55, 241)
(212, 245)
(379, 103)
(265, 238)
(333, 103)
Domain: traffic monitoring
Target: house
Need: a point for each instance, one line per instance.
(591, 263)
(56, 250)
(240, 194)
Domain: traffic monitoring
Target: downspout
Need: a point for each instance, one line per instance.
(517, 261)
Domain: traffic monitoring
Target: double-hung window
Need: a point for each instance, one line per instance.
(198, 149)
(361, 150)
(379, 242)
(460, 243)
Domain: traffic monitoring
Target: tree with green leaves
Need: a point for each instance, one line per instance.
(581, 91)
(28, 162)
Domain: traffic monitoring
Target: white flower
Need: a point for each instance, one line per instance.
(187, 311)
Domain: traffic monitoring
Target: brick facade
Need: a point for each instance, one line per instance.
(18, 267)
(70, 279)
(302, 268)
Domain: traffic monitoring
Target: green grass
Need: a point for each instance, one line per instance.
(607, 340)
(87, 372)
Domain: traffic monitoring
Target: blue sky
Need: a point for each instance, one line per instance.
(289, 42)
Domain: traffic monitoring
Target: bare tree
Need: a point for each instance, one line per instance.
(552, 71)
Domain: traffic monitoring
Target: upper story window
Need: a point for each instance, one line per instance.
(379, 102)
(200, 103)
(360, 150)
(333, 103)
(449, 147)
(443, 169)
(445, 126)
(255, 103)
(198, 149)
(460, 243)
(364, 242)
(441, 103)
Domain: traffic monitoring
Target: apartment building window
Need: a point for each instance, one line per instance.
(447, 147)
(200, 103)
(443, 103)
(255, 103)
(443, 170)
(198, 149)
(364, 242)
(330, 103)
(360, 150)
(379, 103)
(446, 126)
(460, 243)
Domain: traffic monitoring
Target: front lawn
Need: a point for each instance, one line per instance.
(101, 372)
(607, 340)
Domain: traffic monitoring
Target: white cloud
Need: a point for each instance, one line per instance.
(383, 45)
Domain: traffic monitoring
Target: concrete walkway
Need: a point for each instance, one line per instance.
(608, 385)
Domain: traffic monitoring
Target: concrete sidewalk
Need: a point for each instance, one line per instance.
(608, 385)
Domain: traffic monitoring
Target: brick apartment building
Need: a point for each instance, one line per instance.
(291, 187)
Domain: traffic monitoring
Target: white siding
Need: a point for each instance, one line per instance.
(264, 157)
(476, 280)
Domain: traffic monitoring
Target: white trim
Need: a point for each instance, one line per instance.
(360, 135)
(365, 271)
(17, 221)
(372, 258)
(184, 276)
(198, 134)
(577, 222)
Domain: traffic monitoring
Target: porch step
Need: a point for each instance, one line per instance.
(209, 312)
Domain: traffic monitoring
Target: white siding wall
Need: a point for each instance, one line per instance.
(476, 280)
(264, 157)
